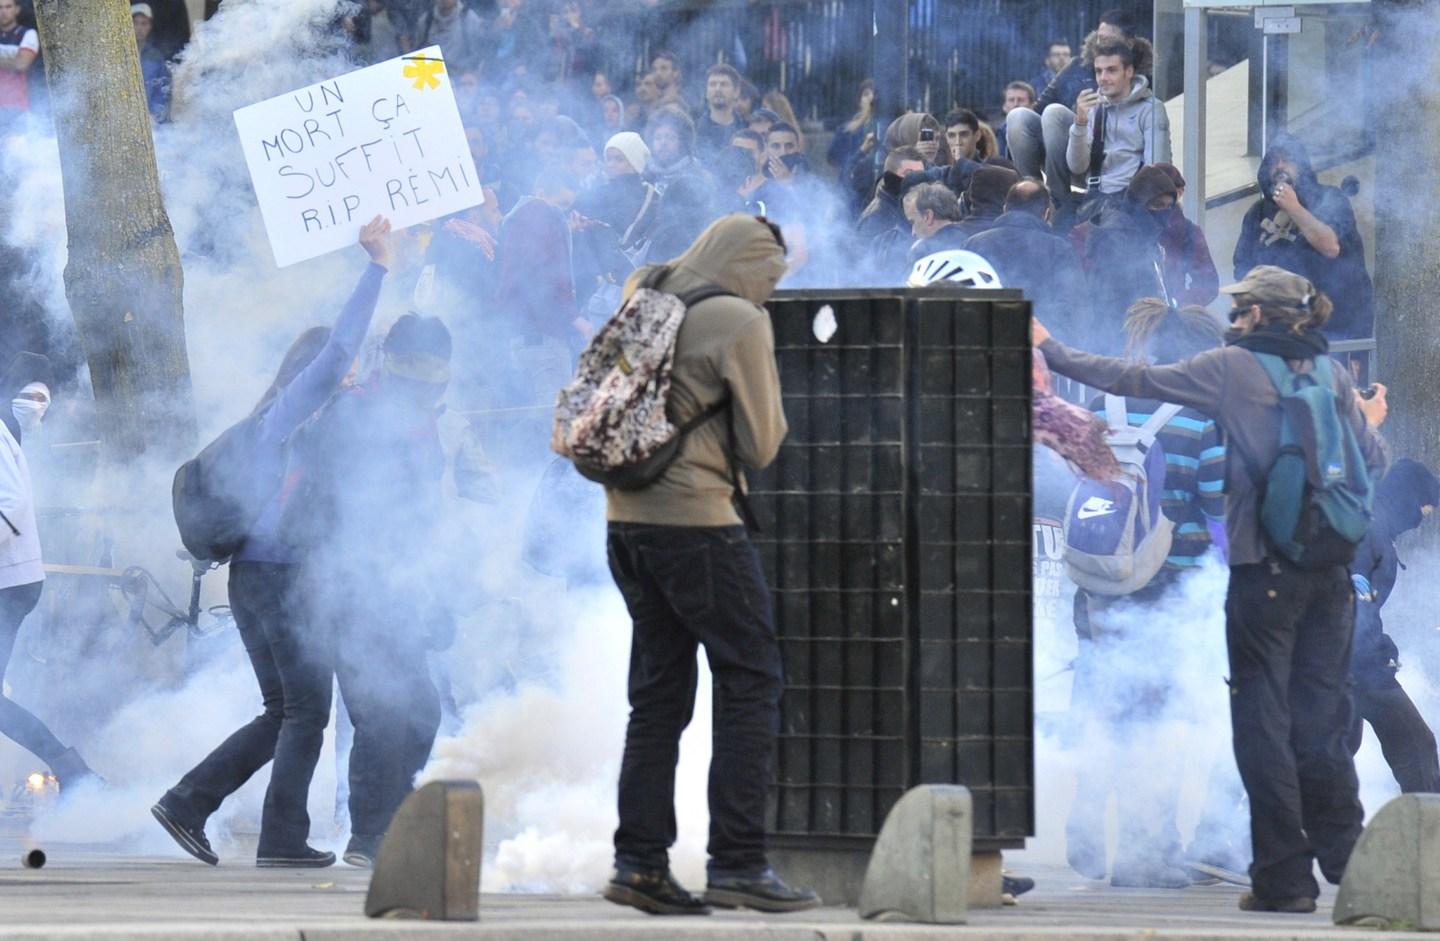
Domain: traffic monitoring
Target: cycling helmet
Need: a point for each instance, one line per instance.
(961, 267)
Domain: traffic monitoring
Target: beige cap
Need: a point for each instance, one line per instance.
(1268, 284)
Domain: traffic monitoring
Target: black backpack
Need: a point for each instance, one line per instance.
(215, 495)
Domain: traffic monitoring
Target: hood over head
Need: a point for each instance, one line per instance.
(904, 131)
(1286, 146)
(1147, 184)
(736, 252)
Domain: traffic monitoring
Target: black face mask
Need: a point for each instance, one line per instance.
(1162, 217)
(891, 183)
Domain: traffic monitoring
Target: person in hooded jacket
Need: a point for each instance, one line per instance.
(292, 655)
(671, 136)
(623, 201)
(1288, 630)
(1190, 273)
(1405, 496)
(1039, 139)
(1123, 258)
(691, 577)
(26, 383)
(885, 212)
(1027, 254)
(1304, 226)
(924, 133)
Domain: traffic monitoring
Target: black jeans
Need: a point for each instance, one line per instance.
(16, 722)
(687, 587)
(293, 659)
(1289, 634)
(384, 675)
(1405, 738)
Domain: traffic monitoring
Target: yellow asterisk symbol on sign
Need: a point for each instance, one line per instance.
(424, 71)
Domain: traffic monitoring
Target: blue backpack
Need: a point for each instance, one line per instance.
(1117, 535)
(1315, 501)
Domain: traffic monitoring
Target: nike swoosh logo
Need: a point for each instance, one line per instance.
(1085, 513)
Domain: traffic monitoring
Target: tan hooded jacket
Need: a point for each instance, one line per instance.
(725, 343)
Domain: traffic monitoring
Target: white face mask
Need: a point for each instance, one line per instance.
(28, 413)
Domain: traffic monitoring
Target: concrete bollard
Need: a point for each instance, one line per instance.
(1393, 878)
(920, 867)
(428, 865)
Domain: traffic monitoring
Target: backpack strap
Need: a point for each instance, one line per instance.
(691, 298)
(1117, 415)
(1097, 150)
(1158, 421)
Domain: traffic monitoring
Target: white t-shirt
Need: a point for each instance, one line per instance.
(15, 86)
(19, 555)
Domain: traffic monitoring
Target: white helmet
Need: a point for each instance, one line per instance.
(961, 267)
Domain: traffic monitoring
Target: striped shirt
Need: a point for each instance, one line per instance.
(1194, 476)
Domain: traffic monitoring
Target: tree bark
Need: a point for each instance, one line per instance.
(1407, 229)
(123, 278)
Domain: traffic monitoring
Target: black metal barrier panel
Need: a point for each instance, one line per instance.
(895, 531)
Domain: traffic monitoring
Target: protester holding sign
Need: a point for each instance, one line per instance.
(292, 658)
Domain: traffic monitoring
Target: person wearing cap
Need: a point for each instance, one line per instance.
(1404, 498)
(366, 514)
(27, 382)
(1288, 630)
(291, 652)
(154, 70)
(1190, 273)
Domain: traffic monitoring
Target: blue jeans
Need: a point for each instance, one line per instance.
(294, 664)
(687, 587)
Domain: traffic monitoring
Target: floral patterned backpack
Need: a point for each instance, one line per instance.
(610, 420)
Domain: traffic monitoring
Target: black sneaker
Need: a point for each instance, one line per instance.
(1016, 885)
(654, 891)
(1299, 905)
(361, 851)
(304, 858)
(764, 891)
(191, 839)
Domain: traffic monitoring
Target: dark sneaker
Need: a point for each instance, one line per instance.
(654, 891)
(763, 891)
(190, 838)
(306, 857)
(1299, 905)
(1016, 885)
(361, 852)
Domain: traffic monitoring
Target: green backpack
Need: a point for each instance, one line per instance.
(1315, 501)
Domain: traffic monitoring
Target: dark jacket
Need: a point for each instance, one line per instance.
(1124, 263)
(1028, 255)
(1269, 236)
(1190, 274)
(884, 214)
(1399, 497)
(1080, 73)
(951, 237)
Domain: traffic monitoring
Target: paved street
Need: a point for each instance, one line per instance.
(88, 894)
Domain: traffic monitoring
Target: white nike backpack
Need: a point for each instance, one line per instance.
(1117, 535)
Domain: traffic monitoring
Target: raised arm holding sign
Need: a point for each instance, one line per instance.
(383, 140)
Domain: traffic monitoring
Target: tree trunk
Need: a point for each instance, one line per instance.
(1407, 229)
(123, 277)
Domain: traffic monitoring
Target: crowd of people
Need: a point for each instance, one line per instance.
(594, 183)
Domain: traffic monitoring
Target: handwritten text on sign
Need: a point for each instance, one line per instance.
(384, 140)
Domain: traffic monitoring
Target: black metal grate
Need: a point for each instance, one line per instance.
(896, 534)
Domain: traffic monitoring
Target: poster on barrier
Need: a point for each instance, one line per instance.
(382, 140)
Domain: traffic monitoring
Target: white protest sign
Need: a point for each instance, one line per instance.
(383, 140)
